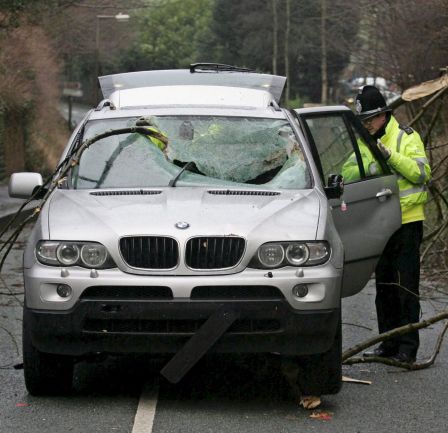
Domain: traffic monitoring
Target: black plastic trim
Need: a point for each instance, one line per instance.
(63, 332)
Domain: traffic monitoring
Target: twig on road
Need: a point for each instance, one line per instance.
(408, 366)
(16, 346)
(11, 293)
(393, 333)
(357, 325)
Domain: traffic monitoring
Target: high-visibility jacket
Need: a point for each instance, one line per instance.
(408, 160)
(158, 143)
(350, 169)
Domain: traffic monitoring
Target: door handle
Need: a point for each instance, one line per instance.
(383, 194)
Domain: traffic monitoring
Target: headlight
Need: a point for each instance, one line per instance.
(319, 252)
(279, 254)
(297, 254)
(68, 254)
(46, 253)
(271, 255)
(85, 254)
(93, 255)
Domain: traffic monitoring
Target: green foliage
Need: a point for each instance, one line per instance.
(12, 6)
(296, 102)
(242, 34)
(164, 34)
(10, 13)
(171, 33)
(14, 12)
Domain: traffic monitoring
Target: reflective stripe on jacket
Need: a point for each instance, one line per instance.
(408, 160)
(350, 169)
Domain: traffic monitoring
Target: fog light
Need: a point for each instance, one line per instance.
(63, 290)
(300, 290)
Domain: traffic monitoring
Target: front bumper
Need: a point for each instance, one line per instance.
(164, 327)
(114, 312)
(323, 282)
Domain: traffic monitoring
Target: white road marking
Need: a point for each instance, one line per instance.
(144, 418)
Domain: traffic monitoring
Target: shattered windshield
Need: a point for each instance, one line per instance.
(200, 151)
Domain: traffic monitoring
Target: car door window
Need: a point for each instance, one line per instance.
(341, 148)
(370, 163)
(369, 209)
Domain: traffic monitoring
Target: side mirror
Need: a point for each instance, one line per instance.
(335, 187)
(23, 185)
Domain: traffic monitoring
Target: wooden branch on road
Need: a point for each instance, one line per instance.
(393, 333)
(437, 236)
(407, 366)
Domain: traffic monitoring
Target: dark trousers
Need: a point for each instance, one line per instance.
(397, 286)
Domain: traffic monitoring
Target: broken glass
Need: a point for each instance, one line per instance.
(226, 151)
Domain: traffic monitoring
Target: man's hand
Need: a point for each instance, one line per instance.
(383, 149)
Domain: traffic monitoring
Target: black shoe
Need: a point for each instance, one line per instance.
(403, 357)
(381, 351)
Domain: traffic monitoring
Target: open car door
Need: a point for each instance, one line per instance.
(368, 212)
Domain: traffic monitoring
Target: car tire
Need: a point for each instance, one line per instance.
(322, 373)
(45, 373)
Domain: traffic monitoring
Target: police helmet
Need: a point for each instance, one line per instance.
(370, 102)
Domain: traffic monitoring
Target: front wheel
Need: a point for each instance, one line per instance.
(45, 373)
(322, 373)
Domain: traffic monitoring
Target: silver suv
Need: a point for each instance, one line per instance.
(235, 234)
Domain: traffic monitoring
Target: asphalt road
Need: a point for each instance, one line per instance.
(222, 394)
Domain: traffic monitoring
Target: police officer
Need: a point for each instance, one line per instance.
(398, 270)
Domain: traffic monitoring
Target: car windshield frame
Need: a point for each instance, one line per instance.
(287, 146)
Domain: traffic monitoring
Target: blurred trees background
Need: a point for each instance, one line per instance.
(325, 48)
(316, 43)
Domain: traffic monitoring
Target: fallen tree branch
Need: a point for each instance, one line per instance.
(440, 163)
(13, 294)
(438, 146)
(435, 231)
(433, 122)
(391, 362)
(398, 284)
(437, 236)
(433, 190)
(13, 339)
(393, 333)
(58, 175)
(357, 325)
(427, 104)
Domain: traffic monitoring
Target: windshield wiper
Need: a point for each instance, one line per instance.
(195, 67)
(173, 181)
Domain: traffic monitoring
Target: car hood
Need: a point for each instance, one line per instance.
(90, 215)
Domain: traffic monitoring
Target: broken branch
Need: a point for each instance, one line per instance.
(393, 333)
(393, 363)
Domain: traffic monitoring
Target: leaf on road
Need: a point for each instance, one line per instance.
(310, 401)
(323, 416)
(351, 380)
(22, 404)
